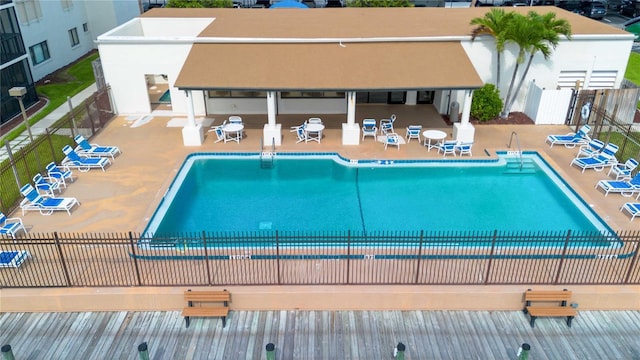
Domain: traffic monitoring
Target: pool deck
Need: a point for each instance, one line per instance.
(321, 335)
(124, 197)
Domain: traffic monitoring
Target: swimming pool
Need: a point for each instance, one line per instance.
(165, 98)
(232, 193)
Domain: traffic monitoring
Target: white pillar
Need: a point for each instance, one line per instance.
(192, 133)
(412, 98)
(351, 130)
(272, 132)
(464, 130)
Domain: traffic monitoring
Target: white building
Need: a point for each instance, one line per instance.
(296, 61)
(58, 32)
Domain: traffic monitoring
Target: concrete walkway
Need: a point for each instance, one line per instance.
(41, 126)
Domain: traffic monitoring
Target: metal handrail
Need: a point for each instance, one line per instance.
(519, 148)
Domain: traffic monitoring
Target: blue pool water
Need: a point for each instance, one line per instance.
(166, 97)
(218, 193)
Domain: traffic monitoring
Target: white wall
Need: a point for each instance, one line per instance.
(578, 54)
(54, 26)
(125, 67)
(104, 15)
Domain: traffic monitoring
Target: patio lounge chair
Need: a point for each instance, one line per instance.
(570, 140)
(413, 132)
(464, 148)
(624, 188)
(94, 150)
(605, 158)
(592, 148)
(386, 125)
(369, 128)
(83, 164)
(13, 258)
(302, 135)
(632, 208)
(392, 139)
(46, 205)
(47, 185)
(447, 147)
(623, 171)
(10, 226)
(61, 175)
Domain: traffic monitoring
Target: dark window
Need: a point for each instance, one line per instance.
(237, 94)
(85, 27)
(73, 37)
(39, 53)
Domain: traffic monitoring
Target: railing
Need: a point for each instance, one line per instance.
(519, 148)
(267, 157)
(324, 258)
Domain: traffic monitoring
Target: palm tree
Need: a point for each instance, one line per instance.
(534, 34)
(494, 24)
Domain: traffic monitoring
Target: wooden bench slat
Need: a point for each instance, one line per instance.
(206, 311)
(561, 298)
(551, 311)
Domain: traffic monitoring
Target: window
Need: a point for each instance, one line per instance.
(39, 53)
(28, 10)
(66, 4)
(237, 94)
(312, 94)
(85, 27)
(73, 37)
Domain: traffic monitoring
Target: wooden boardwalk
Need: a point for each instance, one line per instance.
(321, 335)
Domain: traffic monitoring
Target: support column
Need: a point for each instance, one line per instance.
(272, 132)
(350, 129)
(192, 133)
(464, 131)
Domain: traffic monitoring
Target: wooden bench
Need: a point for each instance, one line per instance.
(206, 311)
(560, 309)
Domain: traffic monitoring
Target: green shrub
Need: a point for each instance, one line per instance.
(486, 103)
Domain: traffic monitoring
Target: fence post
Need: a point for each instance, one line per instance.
(62, 260)
(564, 253)
(135, 259)
(88, 109)
(74, 128)
(348, 254)
(633, 262)
(419, 256)
(489, 264)
(206, 256)
(278, 257)
(7, 353)
(13, 164)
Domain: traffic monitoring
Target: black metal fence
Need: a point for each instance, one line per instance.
(32, 158)
(323, 258)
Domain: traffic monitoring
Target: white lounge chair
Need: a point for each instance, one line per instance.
(413, 132)
(447, 147)
(83, 164)
(464, 148)
(624, 188)
(10, 226)
(386, 125)
(623, 171)
(13, 258)
(592, 148)
(605, 158)
(302, 135)
(94, 150)
(632, 208)
(46, 205)
(46, 184)
(570, 140)
(59, 174)
(369, 128)
(392, 139)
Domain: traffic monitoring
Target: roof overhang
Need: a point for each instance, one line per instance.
(366, 66)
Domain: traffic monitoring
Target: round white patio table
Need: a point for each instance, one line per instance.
(313, 128)
(435, 135)
(234, 128)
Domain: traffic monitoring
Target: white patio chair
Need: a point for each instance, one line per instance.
(413, 132)
(369, 128)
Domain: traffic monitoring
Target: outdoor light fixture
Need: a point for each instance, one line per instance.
(19, 92)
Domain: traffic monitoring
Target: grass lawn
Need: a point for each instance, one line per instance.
(633, 70)
(69, 82)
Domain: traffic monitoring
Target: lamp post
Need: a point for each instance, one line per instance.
(19, 92)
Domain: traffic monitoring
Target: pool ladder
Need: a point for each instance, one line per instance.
(519, 152)
(267, 157)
